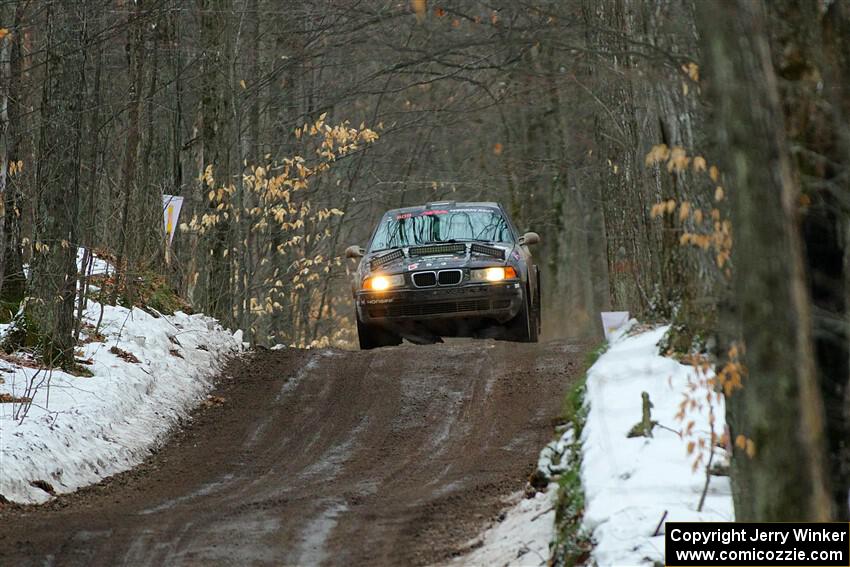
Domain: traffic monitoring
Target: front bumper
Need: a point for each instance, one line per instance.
(496, 301)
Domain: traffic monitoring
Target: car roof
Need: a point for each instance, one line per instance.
(448, 205)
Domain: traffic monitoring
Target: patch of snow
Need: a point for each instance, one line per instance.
(80, 430)
(311, 550)
(630, 483)
(522, 538)
(553, 458)
(100, 267)
(293, 382)
(204, 490)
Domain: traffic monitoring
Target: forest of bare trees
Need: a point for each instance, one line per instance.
(685, 160)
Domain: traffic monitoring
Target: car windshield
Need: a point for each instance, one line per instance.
(457, 225)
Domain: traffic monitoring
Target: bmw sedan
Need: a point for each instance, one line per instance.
(446, 269)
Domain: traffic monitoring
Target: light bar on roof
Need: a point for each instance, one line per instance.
(387, 258)
(433, 249)
(488, 250)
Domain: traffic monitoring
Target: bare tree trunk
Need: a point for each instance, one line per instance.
(780, 407)
(5, 130)
(131, 150)
(50, 309)
(213, 268)
(810, 54)
(12, 279)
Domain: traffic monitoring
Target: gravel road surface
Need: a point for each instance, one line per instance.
(395, 456)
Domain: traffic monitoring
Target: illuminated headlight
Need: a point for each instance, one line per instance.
(382, 282)
(495, 274)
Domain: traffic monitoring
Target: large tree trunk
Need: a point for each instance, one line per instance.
(780, 407)
(12, 279)
(810, 54)
(212, 266)
(835, 26)
(135, 60)
(50, 308)
(5, 127)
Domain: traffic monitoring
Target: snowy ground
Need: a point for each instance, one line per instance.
(522, 538)
(630, 483)
(80, 430)
(99, 266)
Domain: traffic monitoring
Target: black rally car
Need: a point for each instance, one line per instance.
(446, 269)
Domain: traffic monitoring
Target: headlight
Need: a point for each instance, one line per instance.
(495, 274)
(382, 282)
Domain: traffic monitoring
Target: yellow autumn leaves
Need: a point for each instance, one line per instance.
(272, 185)
(268, 211)
(704, 392)
(746, 444)
(704, 228)
(419, 8)
(692, 70)
(707, 230)
(302, 271)
(677, 160)
(730, 376)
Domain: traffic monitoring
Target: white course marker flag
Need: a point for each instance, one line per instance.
(613, 320)
(171, 205)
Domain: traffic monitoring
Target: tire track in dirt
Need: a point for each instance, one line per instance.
(395, 456)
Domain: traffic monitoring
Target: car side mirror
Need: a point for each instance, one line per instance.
(354, 252)
(529, 238)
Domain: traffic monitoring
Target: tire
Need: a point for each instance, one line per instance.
(534, 325)
(523, 328)
(372, 336)
(538, 307)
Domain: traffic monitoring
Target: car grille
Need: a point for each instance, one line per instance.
(450, 277)
(413, 310)
(443, 277)
(424, 279)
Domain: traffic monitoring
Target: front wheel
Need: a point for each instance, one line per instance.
(373, 336)
(538, 307)
(524, 326)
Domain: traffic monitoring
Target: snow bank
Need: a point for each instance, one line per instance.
(630, 483)
(522, 537)
(80, 430)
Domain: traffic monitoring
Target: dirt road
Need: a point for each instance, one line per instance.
(396, 456)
